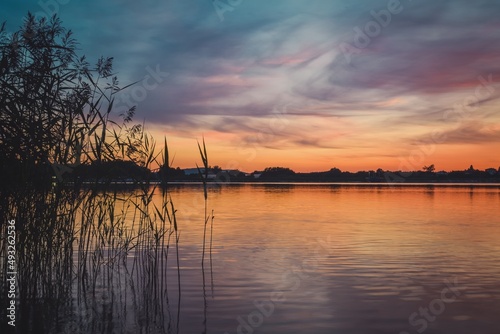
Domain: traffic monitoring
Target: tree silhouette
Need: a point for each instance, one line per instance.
(429, 169)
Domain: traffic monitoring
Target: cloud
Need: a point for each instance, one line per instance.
(468, 132)
(247, 66)
(225, 76)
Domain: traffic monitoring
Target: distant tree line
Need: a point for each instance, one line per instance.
(283, 174)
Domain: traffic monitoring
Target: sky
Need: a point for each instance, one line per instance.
(304, 84)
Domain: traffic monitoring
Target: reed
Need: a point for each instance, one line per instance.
(204, 178)
(94, 252)
(97, 244)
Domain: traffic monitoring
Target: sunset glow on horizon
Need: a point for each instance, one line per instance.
(308, 85)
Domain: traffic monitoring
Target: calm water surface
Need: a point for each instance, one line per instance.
(339, 259)
(342, 259)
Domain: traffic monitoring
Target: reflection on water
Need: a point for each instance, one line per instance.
(309, 259)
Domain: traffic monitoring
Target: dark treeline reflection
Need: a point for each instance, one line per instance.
(93, 261)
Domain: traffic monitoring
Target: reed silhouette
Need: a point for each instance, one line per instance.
(89, 252)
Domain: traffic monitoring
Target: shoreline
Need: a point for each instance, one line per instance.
(305, 183)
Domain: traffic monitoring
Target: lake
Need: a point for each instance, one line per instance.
(300, 258)
(316, 258)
